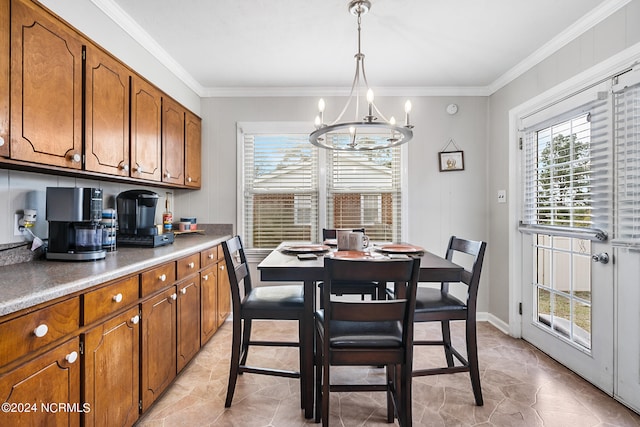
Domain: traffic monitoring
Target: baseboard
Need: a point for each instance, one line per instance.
(493, 320)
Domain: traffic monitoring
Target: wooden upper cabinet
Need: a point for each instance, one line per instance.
(172, 142)
(4, 78)
(146, 112)
(192, 151)
(46, 88)
(106, 113)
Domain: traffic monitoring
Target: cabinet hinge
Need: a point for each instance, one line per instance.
(140, 404)
(520, 309)
(81, 347)
(520, 143)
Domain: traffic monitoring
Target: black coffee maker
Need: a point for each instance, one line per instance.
(136, 216)
(75, 231)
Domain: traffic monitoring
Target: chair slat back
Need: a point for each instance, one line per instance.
(237, 270)
(470, 277)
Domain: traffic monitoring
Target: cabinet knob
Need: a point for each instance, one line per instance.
(191, 265)
(41, 330)
(117, 298)
(1, 141)
(138, 169)
(222, 267)
(189, 179)
(124, 167)
(183, 291)
(205, 277)
(75, 157)
(71, 357)
(163, 278)
(210, 256)
(174, 297)
(167, 175)
(135, 319)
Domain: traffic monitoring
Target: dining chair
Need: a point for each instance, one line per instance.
(367, 333)
(438, 304)
(275, 302)
(374, 290)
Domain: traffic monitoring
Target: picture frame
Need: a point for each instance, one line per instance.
(451, 161)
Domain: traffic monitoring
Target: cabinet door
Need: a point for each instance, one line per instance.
(208, 303)
(188, 320)
(172, 142)
(158, 345)
(192, 150)
(111, 371)
(224, 293)
(4, 78)
(46, 88)
(106, 114)
(43, 384)
(146, 111)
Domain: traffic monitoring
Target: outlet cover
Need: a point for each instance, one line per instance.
(16, 225)
(502, 196)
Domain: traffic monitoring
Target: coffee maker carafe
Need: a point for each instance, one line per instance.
(74, 215)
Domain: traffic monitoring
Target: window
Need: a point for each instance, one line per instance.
(291, 189)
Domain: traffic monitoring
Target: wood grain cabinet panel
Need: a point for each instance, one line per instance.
(208, 303)
(4, 77)
(188, 265)
(172, 142)
(46, 381)
(111, 371)
(157, 278)
(34, 330)
(146, 130)
(208, 257)
(188, 328)
(192, 151)
(158, 345)
(109, 299)
(46, 88)
(106, 113)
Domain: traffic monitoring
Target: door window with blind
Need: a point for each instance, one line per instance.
(291, 189)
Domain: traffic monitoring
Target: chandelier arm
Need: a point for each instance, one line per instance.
(354, 85)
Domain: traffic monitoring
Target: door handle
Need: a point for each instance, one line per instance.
(602, 257)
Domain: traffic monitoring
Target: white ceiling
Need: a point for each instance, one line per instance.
(227, 46)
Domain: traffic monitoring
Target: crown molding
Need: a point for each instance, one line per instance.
(122, 19)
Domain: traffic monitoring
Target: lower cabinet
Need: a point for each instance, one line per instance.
(158, 345)
(224, 293)
(188, 326)
(208, 303)
(111, 371)
(44, 391)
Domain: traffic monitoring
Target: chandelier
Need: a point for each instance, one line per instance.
(366, 133)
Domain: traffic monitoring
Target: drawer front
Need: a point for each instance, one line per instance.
(209, 256)
(158, 278)
(110, 299)
(188, 265)
(32, 331)
(220, 252)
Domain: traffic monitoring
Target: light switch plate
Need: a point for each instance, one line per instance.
(502, 196)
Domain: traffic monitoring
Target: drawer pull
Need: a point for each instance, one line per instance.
(205, 277)
(163, 278)
(210, 256)
(183, 291)
(222, 267)
(174, 297)
(41, 331)
(71, 357)
(117, 298)
(191, 265)
(189, 179)
(135, 319)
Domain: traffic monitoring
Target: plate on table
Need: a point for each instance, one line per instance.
(400, 248)
(352, 255)
(306, 249)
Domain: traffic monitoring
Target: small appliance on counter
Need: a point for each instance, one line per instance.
(74, 215)
(136, 216)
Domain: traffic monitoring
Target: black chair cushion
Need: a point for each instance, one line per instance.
(275, 298)
(362, 334)
(432, 299)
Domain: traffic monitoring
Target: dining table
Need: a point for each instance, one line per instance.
(284, 265)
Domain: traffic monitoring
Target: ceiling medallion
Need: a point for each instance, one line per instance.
(366, 133)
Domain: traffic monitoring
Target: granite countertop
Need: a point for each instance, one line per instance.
(31, 283)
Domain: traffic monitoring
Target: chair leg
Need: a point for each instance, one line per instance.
(392, 383)
(246, 337)
(325, 390)
(405, 397)
(318, 380)
(303, 373)
(446, 338)
(472, 354)
(235, 361)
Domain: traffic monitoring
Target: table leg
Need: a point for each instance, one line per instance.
(307, 371)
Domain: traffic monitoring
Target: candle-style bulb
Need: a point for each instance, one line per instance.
(407, 107)
(318, 122)
(369, 96)
(321, 105)
(392, 121)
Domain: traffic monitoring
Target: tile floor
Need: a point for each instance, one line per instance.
(521, 387)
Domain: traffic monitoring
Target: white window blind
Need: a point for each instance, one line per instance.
(280, 189)
(627, 158)
(566, 171)
(291, 189)
(364, 190)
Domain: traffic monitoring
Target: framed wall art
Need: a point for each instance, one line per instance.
(451, 161)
